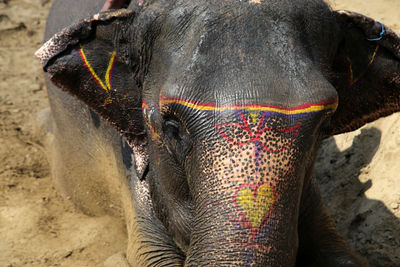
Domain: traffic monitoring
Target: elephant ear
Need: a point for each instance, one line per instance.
(366, 72)
(92, 60)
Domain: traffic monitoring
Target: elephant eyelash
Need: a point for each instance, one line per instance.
(172, 123)
(168, 114)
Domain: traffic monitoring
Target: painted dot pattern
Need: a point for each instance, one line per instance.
(248, 176)
(253, 166)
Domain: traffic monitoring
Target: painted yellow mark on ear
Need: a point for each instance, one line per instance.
(255, 1)
(108, 77)
(353, 80)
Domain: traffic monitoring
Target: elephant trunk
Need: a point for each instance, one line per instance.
(246, 193)
(246, 210)
(252, 227)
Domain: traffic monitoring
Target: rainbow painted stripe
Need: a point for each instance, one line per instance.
(304, 109)
(108, 77)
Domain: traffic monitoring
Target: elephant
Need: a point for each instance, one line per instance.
(198, 122)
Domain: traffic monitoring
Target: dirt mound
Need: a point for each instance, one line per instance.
(358, 172)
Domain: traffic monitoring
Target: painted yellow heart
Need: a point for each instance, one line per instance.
(255, 203)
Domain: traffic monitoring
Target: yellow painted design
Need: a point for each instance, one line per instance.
(156, 135)
(107, 87)
(353, 80)
(255, 207)
(108, 100)
(254, 116)
(309, 109)
(109, 68)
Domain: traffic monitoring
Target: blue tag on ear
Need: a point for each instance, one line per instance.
(380, 35)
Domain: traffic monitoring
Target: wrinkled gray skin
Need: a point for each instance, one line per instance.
(179, 174)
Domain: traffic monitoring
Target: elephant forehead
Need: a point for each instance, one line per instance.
(249, 162)
(237, 51)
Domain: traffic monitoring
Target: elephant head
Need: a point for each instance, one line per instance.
(224, 105)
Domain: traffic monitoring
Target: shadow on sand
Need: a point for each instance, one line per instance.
(367, 224)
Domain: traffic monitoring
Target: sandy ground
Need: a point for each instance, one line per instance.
(37, 226)
(358, 172)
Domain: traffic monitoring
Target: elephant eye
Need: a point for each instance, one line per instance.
(176, 139)
(172, 129)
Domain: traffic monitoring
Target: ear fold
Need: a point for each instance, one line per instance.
(91, 61)
(367, 72)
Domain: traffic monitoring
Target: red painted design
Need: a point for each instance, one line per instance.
(301, 109)
(145, 106)
(107, 86)
(253, 137)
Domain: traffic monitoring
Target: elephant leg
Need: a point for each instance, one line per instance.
(320, 244)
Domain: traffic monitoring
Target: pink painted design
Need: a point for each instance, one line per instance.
(241, 133)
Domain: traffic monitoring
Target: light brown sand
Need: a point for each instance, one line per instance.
(359, 172)
(359, 176)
